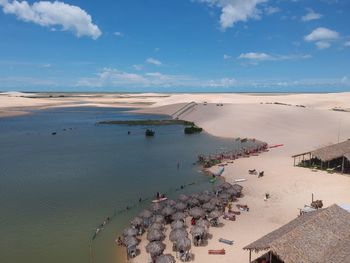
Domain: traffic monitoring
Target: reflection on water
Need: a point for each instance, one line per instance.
(56, 189)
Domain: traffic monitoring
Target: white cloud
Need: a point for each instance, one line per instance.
(233, 11)
(138, 67)
(254, 57)
(227, 57)
(322, 36)
(270, 10)
(347, 43)
(118, 34)
(311, 15)
(50, 14)
(154, 61)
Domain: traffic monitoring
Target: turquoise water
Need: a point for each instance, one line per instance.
(56, 189)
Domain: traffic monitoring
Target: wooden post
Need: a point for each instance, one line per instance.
(270, 256)
(250, 256)
(294, 161)
(342, 165)
(312, 197)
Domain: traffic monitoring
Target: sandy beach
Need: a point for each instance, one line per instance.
(298, 128)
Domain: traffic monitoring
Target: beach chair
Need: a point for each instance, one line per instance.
(226, 241)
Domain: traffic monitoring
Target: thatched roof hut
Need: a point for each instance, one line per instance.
(167, 258)
(157, 226)
(178, 216)
(237, 187)
(183, 198)
(193, 202)
(170, 202)
(319, 236)
(209, 206)
(155, 248)
(155, 235)
(167, 211)
(226, 185)
(180, 206)
(198, 231)
(197, 212)
(203, 222)
(177, 233)
(158, 219)
(203, 198)
(146, 214)
(130, 241)
(332, 152)
(178, 224)
(137, 221)
(215, 214)
(183, 243)
(130, 231)
(156, 207)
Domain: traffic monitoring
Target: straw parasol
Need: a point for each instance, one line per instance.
(183, 198)
(197, 212)
(175, 234)
(156, 207)
(198, 231)
(178, 216)
(216, 201)
(130, 241)
(130, 231)
(226, 185)
(137, 221)
(194, 195)
(193, 202)
(208, 206)
(145, 214)
(167, 258)
(180, 206)
(157, 226)
(237, 187)
(167, 211)
(232, 191)
(158, 219)
(202, 222)
(224, 196)
(155, 248)
(170, 202)
(183, 243)
(215, 214)
(177, 224)
(203, 198)
(155, 235)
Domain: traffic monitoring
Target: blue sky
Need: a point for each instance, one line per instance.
(175, 45)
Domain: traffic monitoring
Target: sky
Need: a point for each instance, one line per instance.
(175, 45)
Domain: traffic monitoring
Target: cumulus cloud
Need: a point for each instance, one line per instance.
(118, 34)
(270, 10)
(347, 43)
(154, 61)
(234, 11)
(311, 15)
(51, 14)
(227, 57)
(322, 37)
(138, 67)
(255, 58)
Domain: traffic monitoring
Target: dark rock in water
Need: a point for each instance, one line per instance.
(150, 133)
(54, 133)
(192, 130)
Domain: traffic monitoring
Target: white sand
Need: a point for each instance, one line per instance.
(299, 129)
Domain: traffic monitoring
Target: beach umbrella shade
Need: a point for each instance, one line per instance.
(210, 193)
(197, 212)
(137, 221)
(180, 206)
(193, 202)
(130, 241)
(215, 214)
(170, 203)
(175, 234)
(146, 214)
(156, 207)
(178, 224)
(232, 191)
(130, 231)
(178, 216)
(167, 211)
(238, 188)
(183, 243)
(224, 196)
(183, 198)
(158, 219)
(226, 185)
(155, 248)
(216, 201)
(208, 206)
(203, 198)
(203, 222)
(157, 226)
(167, 258)
(194, 195)
(155, 235)
(198, 231)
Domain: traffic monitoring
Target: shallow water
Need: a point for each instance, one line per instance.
(56, 189)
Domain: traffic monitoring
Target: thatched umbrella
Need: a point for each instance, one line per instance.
(193, 202)
(157, 226)
(178, 216)
(156, 207)
(224, 196)
(137, 221)
(130, 231)
(216, 201)
(183, 198)
(226, 185)
(167, 211)
(146, 214)
(177, 224)
(194, 195)
(215, 214)
(130, 241)
(158, 219)
(237, 187)
(155, 235)
(203, 198)
(167, 258)
(208, 206)
(202, 222)
(180, 206)
(198, 231)
(232, 191)
(155, 248)
(183, 243)
(170, 202)
(197, 212)
(177, 233)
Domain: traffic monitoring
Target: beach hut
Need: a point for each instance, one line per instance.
(178, 216)
(180, 206)
(183, 198)
(208, 207)
(178, 224)
(193, 202)
(175, 234)
(319, 236)
(203, 222)
(198, 235)
(155, 235)
(167, 258)
(196, 212)
(157, 226)
(130, 231)
(131, 243)
(158, 219)
(155, 248)
(225, 185)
